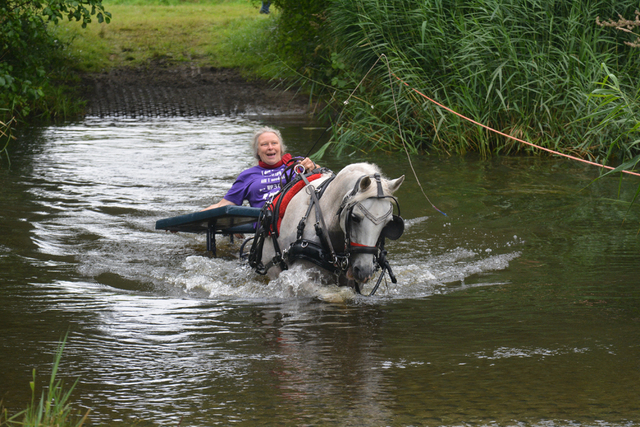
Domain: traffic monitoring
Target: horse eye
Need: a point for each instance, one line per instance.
(355, 218)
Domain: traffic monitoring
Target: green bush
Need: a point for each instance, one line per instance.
(301, 37)
(30, 54)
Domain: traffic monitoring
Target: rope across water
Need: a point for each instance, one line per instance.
(557, 153)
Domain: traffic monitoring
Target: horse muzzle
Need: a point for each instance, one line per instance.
(362, 265)
(361, 274)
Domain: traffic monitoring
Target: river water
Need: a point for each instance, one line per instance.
(520, 307)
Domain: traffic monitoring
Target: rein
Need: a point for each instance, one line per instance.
(271, 215)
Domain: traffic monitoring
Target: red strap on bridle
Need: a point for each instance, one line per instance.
(360, 245)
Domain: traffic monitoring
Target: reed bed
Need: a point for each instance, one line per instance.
(538, 70)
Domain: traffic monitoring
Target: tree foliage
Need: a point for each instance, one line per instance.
(28, 47)
(301, 34)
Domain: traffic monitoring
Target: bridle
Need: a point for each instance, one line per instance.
(393, 230)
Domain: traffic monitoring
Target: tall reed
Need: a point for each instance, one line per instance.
(617, 116)
(53, 408)
(523, 67)
(5, 138)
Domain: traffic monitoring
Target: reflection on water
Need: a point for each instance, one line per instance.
(520, 307)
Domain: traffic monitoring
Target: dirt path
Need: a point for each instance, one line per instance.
(163, 90)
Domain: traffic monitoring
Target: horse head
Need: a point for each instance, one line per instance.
(366, 218)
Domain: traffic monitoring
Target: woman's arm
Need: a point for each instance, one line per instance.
(308, 164)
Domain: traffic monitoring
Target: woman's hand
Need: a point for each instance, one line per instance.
(223, 202)
(308, 164)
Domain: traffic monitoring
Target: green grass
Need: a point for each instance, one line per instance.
(52, 409)
(209, 33)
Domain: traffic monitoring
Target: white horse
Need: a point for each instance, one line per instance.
(338, 223)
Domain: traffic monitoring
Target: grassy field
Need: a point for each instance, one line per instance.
(216, 33)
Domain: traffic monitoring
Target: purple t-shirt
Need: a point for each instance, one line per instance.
(256, 184)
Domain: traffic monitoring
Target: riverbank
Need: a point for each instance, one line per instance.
(587, 111)
(165, 89)
(201, 59)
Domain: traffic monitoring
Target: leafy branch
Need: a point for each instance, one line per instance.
(29, 51)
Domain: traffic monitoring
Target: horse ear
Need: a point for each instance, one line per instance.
(364, 183)
(395, 184)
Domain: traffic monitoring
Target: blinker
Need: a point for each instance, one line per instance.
(394, 229)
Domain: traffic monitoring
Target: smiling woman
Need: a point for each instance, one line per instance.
(269, 148)
(261, 182)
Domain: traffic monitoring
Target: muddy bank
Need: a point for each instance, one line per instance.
(185, 90)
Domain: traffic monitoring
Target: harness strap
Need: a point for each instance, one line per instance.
(271, 216)
(376, 220)
(376, 176)
(320, 224)
(303, 221)
(384, 264)
(314, 253)
(357, 248)
(281, 201)
(255, 254)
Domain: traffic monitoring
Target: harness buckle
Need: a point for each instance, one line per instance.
(345, 263)
(336, 261)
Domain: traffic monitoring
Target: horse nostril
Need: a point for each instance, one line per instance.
(361, 274)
